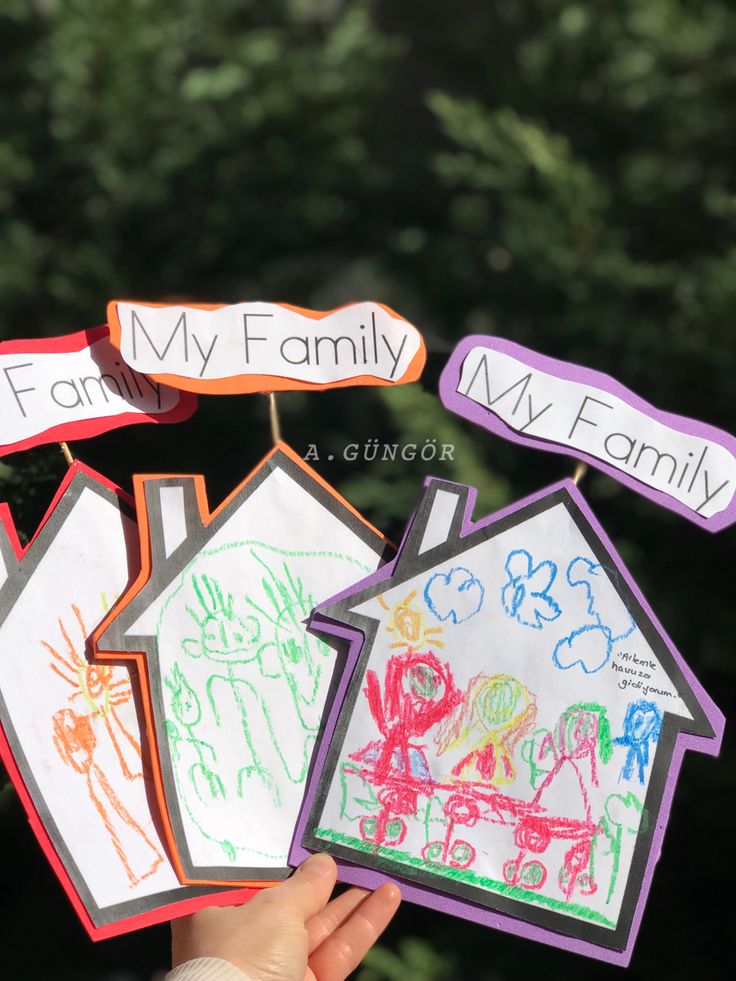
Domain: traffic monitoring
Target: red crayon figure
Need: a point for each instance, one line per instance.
(581, 736)
(418, 692)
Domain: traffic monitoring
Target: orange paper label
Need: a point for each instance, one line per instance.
(266, 347)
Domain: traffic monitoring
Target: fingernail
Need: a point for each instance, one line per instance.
(319, 865)
(393, 893)
(390, 892)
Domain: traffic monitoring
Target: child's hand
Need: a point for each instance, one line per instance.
(291, 932)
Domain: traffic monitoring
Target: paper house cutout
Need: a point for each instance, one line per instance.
(509, 726)
(70, 735)
(236, 686)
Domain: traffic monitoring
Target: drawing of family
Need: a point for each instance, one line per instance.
(450, 759)
(266, 678)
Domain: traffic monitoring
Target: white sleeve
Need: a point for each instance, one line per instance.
(207, 969)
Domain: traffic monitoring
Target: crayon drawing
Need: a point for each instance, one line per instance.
(642, 726)
(245, 686)
(99, 691)
(526, 594)
(505, 758)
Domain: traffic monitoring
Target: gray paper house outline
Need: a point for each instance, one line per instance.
(442, 530)
(177, 533)
(17, 569)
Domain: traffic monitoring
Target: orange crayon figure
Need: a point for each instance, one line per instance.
(97, 686)
(76, 742)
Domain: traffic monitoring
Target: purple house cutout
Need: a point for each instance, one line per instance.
(508, 730)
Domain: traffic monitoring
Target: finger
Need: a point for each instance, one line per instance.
(309, 888)
(323, 924)
(345, 948)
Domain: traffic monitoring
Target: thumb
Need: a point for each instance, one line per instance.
(310, 887)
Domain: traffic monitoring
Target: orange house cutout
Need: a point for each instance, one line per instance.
(236, 686)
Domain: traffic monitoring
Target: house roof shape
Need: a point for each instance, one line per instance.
(18, 564)
(176, 527)
(442, 529)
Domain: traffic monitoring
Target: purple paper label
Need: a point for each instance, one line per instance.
(682, 464)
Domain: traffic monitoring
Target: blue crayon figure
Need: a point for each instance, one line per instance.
(642, 726)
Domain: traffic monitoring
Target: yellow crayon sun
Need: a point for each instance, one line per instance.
(407, 623)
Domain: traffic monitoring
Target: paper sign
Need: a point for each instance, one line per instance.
(237, 685)
(72, 387)
(682, 464)
(509, 726)
(266, 347)
(70, 734)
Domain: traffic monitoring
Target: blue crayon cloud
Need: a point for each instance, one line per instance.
(525, 597)
(591, 644)
(454, 596)
(589, 647)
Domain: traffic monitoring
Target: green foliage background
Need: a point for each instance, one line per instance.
(560, 173)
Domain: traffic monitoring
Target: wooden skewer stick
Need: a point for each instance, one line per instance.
(580, 471)
(67, 452)
(273, 412)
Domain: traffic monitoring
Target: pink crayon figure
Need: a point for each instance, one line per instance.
(580, 741)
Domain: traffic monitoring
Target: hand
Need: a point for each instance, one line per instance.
(291, 932)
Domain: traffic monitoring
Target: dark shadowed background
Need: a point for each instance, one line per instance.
(559, 173)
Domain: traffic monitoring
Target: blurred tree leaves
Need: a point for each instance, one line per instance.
(185, 151)
(27, 484)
